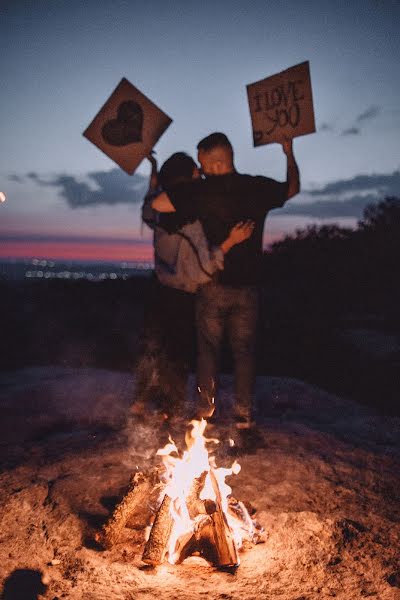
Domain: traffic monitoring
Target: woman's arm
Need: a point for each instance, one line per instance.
(163, 204)
(238, 234)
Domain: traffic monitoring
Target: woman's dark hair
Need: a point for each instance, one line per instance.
(177, 168)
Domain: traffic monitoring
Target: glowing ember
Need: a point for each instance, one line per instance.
(197, 514)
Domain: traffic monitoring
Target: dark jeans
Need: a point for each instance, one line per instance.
(222, 308)
(167, 346)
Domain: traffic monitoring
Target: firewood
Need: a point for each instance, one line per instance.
(141, 487)
(251, 531)
(157, 544)
(225, 546)
(223, 536)
(206, 544)
(194, 504)
(189, 544)
(211, 537)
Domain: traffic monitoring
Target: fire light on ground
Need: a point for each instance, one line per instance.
(325, 485)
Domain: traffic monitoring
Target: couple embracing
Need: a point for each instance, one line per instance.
(208, 228)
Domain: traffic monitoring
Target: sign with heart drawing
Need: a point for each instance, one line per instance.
(128, 126)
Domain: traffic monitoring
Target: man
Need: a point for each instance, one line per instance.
(230, 301)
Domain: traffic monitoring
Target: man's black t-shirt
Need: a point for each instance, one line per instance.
(220, 202)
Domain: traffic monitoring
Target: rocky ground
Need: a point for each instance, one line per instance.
(324, 481)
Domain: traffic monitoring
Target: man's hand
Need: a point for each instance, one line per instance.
(239, 233)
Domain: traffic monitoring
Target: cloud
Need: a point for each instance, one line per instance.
(346, 197)
(356, 128)
(16, 178)
(388, 185)
(368, 114)
(351, 131)
(97, 187)
(325, 127)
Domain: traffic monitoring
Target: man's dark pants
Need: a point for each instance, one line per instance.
(221, 308)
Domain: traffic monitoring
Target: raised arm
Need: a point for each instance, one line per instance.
(292, 173)
(148, 214)
(153, 182)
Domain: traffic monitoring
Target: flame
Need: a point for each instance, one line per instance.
(181, 473)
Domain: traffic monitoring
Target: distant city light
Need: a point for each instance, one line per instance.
(2, 197)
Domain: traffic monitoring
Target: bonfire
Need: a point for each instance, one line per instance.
(194, 512)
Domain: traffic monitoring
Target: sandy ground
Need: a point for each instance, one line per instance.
(325, 483)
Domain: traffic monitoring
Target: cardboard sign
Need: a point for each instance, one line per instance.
(127, 127)
(282, 105)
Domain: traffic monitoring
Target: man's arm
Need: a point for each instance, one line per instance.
(163, 204)
(292, 174)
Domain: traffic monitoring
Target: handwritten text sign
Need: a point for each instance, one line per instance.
(127, 127)
(282, 105)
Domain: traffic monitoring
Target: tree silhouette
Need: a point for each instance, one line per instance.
(382, 217)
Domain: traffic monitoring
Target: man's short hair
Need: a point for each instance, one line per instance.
(214, 140)
(178, 167)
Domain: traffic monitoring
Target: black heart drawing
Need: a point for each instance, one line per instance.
(127, 127)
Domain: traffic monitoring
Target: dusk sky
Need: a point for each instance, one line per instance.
(60, 60)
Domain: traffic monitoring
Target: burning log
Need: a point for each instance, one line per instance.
(224, 542)
(194, 504)
(199, 541)
(142, 487)
(157, 544)
(211, 538)
(225, 546)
